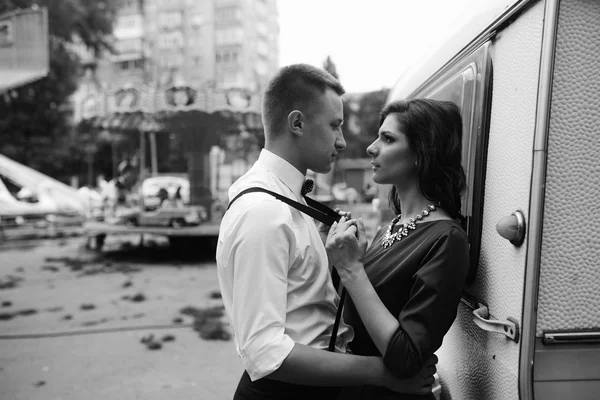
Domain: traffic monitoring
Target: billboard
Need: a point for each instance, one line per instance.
(23, 47)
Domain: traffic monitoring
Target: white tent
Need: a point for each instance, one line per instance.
(53, 195)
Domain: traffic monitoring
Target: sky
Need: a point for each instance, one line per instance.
(372, 42)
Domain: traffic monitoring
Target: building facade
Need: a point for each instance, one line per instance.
(185, 79)
(208, 45)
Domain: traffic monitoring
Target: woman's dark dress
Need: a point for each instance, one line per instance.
(420, 280)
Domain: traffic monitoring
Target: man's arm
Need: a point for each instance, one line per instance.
(309, 366)
(255, 263)
(306, 365)
(260, 258)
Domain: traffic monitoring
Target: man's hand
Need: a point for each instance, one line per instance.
(421, 384)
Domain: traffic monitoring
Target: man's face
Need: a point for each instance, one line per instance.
(323, 139)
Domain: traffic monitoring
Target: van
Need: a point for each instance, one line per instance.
(528, 85)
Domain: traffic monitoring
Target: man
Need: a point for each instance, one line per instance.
(272, 265)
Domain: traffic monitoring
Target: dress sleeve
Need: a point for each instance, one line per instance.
(432, 305)
(263, 244)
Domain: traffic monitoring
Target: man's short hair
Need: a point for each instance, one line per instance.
(293, 87)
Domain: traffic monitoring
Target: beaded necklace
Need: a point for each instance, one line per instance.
(390, 238)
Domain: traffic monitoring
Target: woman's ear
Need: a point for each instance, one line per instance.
(296, 122)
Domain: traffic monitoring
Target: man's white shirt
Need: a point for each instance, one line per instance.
(273, 271)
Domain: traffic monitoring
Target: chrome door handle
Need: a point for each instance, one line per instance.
(509, 328)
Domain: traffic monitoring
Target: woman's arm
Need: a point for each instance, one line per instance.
(432, 304)
(408, 340)
(380, 323)
(346, 252)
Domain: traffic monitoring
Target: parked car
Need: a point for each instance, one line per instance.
(155, 189)
(167, 216)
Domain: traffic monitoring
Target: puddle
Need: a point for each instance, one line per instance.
(207, 322)
(5, 316)
(10, 282)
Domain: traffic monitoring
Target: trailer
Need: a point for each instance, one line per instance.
(526, 80)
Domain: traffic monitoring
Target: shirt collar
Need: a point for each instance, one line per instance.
(283, 170)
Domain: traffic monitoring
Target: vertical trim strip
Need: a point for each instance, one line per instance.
(536, 201)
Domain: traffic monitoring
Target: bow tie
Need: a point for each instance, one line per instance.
(307, 187)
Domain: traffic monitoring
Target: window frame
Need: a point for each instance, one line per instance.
(476, 71)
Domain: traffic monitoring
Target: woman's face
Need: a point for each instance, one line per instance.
(393, 160)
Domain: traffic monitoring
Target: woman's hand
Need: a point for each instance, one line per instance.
(346, 246)
(324, 229)
(420, 384)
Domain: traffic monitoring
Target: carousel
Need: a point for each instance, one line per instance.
(184, 147)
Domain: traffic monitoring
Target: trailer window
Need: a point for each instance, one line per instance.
(468, 84)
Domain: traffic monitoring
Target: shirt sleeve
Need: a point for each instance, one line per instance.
(261, 251)
(432, 305)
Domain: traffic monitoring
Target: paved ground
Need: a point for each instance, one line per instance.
(72, 321)
(72, 324)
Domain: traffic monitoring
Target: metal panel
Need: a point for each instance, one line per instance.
(572, 390)
(578, 362)
(569, 287)
(568, 309)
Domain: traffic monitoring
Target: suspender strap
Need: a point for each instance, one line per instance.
(338, 315)
(318, 211)
(321, 213)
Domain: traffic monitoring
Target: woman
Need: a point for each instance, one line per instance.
(405, 288)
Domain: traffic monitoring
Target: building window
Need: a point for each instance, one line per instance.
(230, 35)
(171, 40)
(228, 55)
(123, 65)
(128, 26)
(128, 65)
(127, 46)
(170, 19)
(228, 15)
(127, 5)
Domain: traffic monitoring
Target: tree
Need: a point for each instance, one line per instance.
(330, 67)
(370, 105)
(34, 119)
(361, 123)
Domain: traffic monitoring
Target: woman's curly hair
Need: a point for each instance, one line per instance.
(434, 132)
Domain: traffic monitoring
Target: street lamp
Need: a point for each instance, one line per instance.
(90, 149)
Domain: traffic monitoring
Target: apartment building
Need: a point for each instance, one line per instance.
(211, 46)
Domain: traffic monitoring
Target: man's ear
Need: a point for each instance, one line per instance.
(296, 122)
